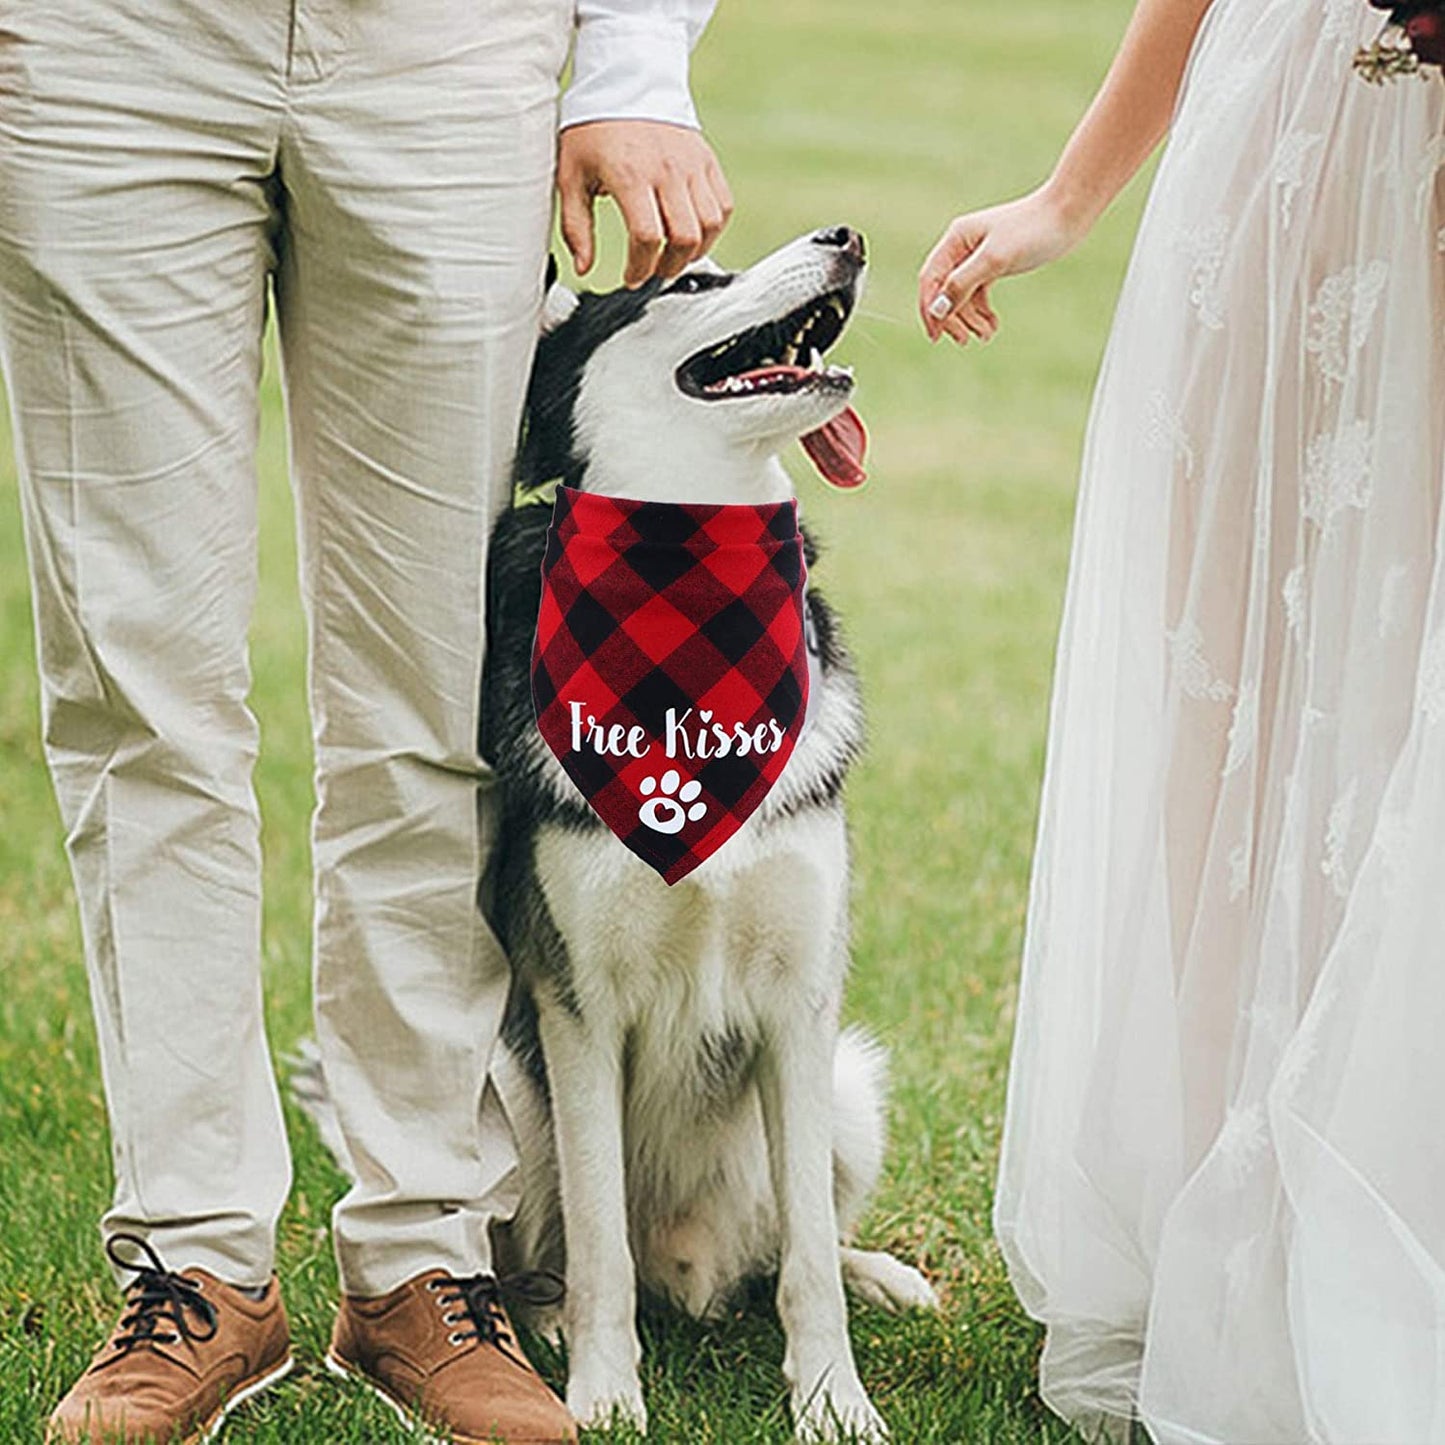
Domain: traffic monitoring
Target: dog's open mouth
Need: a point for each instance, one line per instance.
(779, 356)
(785, 358)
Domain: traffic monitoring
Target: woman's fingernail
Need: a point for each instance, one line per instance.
(940, 306)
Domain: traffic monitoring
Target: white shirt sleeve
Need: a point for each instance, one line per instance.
(631, 60)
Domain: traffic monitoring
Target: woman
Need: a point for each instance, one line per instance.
(1224, 1156)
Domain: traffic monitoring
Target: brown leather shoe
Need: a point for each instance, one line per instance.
(442, 1353)
(187, 1350)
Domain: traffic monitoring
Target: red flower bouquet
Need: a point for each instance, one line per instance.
(1412, 41)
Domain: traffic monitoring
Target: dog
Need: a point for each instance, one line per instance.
(689, 1116)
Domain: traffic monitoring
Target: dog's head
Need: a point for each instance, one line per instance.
(687, 390)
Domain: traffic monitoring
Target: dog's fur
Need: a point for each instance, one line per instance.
(687, 1112)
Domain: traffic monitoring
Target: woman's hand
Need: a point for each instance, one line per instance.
(1115, 137)
(978, 249)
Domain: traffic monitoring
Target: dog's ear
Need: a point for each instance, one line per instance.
(558, 303)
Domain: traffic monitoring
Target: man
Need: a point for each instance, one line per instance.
(388, 168)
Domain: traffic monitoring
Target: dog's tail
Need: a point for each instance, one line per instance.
(860, 1110)
(308, 1087)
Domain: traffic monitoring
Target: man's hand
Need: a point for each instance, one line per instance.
(666, 181)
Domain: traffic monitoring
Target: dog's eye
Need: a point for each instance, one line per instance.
(694, 281)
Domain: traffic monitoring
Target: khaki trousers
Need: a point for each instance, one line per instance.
(388, 165)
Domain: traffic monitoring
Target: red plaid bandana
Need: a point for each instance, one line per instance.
(670, 672)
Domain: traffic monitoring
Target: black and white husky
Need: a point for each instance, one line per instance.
(688, 1115)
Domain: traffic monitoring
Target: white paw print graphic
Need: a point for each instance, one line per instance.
(667, 813)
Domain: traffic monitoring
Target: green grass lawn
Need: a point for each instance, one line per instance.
(949, 571)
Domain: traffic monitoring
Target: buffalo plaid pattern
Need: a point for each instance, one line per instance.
(670, 672)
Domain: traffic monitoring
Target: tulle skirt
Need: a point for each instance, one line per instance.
(1223, 1174)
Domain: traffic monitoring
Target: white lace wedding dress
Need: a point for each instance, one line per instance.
(1223, 1176)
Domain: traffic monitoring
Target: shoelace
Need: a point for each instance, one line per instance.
(482, 1298)
(157, 1297)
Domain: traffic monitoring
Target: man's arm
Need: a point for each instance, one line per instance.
(629, 130)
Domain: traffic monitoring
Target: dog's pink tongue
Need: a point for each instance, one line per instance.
(838, 448)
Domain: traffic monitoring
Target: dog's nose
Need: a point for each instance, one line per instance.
(844, 239)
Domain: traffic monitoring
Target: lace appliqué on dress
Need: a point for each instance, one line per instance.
(1340, 21)
(1337, 837)
(1242, 728)
(1289, 169)
(1242, 1143)
(1293, 593)
(1302, 1052)
(1339, 473)
(1341, 316)
(1390, 611)
(1206, 246)
(1164, 432)
(1192, 674)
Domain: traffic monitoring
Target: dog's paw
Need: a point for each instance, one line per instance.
(597, 1402)
(838, 1415)
(879, 1279)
